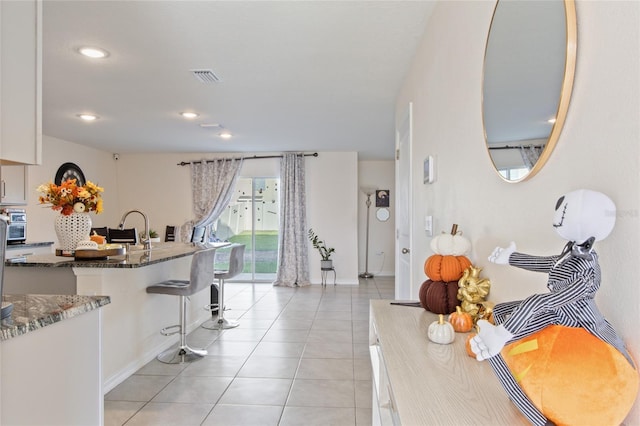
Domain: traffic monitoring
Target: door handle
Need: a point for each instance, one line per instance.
(405, 250)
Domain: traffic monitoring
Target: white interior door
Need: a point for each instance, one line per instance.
(403, 206)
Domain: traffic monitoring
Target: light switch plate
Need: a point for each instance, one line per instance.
(428, 225)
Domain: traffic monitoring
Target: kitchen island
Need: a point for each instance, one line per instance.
(133, 319)
(51, 360)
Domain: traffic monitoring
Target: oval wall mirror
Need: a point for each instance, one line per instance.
(528, 77)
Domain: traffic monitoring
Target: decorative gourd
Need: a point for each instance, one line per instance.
(98, 239)
(485, 312)
(467, 345)
(473, 291)
(441, 332)
(461, 321)
(573, 377)
(422, 294)
(446, 268)
(439, 297)
(452, 244)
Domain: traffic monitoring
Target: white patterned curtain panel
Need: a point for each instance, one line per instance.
(530, 155)
(212, 185)
(293, 259)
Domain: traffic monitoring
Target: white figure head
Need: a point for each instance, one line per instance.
(583, 214)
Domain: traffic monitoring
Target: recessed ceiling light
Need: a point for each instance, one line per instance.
(225, 134)
(88, 117)
(189, 115)
(93, 52)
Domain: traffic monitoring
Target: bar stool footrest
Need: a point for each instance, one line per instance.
(212, 307)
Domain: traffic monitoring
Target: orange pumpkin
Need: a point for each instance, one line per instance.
(573, 377)
(467, 345)
(446, 268)
(98, 239)
(461, 321)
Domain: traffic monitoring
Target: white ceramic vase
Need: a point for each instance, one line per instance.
(72, 229)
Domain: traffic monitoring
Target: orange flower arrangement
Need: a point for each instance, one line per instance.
(68, 197)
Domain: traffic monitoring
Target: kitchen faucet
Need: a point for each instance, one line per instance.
(146, 240)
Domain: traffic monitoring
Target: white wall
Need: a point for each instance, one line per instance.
(598, 149)
(380, 175)
(332, 212)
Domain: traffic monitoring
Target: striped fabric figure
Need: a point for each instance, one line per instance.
(582, 217)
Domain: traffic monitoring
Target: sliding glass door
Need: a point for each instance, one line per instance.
(252, 219)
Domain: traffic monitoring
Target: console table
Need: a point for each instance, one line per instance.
(418, 382)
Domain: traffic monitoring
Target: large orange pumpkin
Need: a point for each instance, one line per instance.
(573, 377)
(446, 268)
(439, 297)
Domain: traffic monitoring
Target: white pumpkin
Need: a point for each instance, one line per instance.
(452, 244)
(441, 331)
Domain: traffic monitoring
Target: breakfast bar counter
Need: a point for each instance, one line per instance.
(133, 319)
(134, 258)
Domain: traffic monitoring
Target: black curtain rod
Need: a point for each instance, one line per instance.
(255, 157)
(516, 147)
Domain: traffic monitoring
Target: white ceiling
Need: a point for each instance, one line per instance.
(296, 75)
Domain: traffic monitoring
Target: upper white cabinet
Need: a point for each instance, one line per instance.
(21, 82)
(13, 185)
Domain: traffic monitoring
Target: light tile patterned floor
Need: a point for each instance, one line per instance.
(299, 357)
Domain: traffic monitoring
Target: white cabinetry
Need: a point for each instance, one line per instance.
(53, 376)
(13, 185)
(418, 382)
(383, 403)
(21, 82)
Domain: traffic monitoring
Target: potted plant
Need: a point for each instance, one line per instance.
(153, 236)
(325, 252)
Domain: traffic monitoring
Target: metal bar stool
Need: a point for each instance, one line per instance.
(200, 278)
(236, 264)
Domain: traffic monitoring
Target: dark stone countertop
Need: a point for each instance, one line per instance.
(135, 258)
(35, 311)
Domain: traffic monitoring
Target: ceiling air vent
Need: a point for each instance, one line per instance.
(206, 76)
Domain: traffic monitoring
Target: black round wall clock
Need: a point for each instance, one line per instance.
(70, 171)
